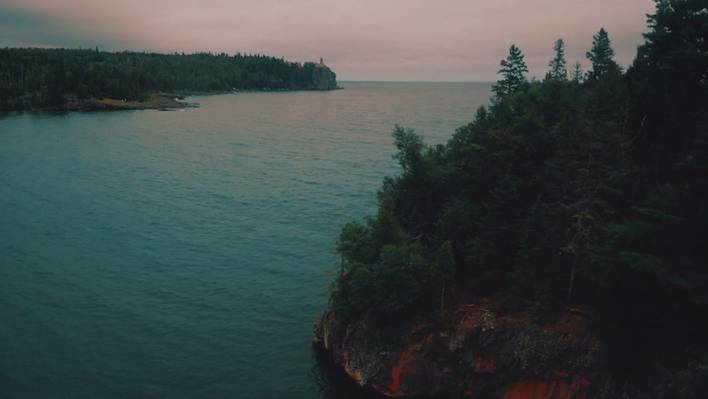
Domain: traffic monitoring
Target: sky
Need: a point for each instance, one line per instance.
(426, 40)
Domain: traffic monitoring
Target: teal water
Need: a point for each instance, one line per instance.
(185, 254)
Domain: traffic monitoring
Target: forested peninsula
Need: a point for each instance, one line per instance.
(68, 79)
(554, 247)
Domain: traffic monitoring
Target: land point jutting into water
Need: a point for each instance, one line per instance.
(553, 247)
(63, 79)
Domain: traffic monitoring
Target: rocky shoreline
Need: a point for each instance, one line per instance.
(479, 350)
(485, 349)
(159, 101)
(155, 101)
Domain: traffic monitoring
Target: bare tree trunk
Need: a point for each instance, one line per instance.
(572, 279)
(442, 299)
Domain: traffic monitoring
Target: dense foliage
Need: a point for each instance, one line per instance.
(36, 78)
(588, 191)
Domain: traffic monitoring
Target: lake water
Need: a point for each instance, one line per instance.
(185, 254)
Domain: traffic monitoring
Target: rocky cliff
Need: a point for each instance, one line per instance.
(478, 351)
(323, 78)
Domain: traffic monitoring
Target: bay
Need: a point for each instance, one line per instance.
(184, 254)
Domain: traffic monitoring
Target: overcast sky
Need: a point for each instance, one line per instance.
(360, 39)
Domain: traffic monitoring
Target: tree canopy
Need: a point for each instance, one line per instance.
(38, 78)
(563, 192)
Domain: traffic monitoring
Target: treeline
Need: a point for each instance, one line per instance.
(586, 188)
(37, 78)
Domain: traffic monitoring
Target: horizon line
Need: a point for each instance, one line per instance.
(413, 81)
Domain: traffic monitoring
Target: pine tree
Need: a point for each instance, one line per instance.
(513, 70)
(601, 55)
(670, 77)
(558, 69)
(577, 75)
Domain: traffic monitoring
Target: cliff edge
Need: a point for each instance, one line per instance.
(479, 350)
(483, 350)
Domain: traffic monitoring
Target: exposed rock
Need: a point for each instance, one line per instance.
(476, 352)
(154, 101)
(323, 78)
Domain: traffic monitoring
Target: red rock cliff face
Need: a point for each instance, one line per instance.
(476, 353)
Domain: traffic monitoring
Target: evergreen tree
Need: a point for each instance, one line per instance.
(558, 69)
(602, 56)
(577, 75)
(513, 70)
(669, 78)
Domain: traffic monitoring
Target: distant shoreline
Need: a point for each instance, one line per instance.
(155, 101)
(158, 101)
(76, 80)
